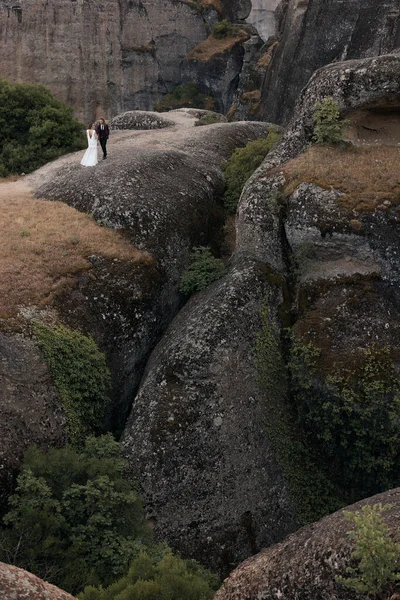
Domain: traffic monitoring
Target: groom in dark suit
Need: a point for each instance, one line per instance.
(103, 133)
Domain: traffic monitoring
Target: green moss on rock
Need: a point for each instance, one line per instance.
(311, 491)
(81, 376)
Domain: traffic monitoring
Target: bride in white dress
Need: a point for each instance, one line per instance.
(90, 157)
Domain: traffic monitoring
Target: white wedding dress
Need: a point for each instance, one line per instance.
(90, 157)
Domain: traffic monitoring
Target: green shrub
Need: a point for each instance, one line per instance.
(168, 578)
(209, 120)
(203, 269)
(34, 128)
(185, 95)
(75, 518)
(378, 556)
(328, 127)
(222, 29)
(242, 164)
(81, 376)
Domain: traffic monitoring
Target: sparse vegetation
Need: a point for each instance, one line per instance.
(377, 554)
(222, 29)
(34, 128)
(311, 491)
(328, 126)
(242, 164)
(367, 176)
(209, 119)
(44, 245)
(185, 95)
(203, 269)
(80, 374)
(350, 419)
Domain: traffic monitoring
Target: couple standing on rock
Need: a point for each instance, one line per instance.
(101, 132)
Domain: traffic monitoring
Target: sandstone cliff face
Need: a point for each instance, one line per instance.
(100, 58)
(315, 33)
(307, 563)
(17, 584)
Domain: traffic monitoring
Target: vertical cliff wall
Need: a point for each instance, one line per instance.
(101, 57)
(262, 16)
(314, 33)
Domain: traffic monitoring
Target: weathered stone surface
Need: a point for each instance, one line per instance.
(306, 563)
(215, 65)
(140, 119)
(30, 407)
(161, 187)
(370, 86)
(262, 16)
(101, 58)
(196, 437)
(17, 584)
(313, 34)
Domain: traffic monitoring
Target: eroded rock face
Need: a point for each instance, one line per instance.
(369, 86)
(101, 58)
(30, 407)
(307, 563)
(196, 437)
(17, 584)
(162, 188)
(313, 34)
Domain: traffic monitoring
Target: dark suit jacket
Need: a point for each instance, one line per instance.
(102, 133)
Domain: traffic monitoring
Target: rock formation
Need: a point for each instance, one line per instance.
(30, 406)
(17, 584)
(327, 261)
(162, 189)
(306, 563)
(196, 437)
(101, 58)
(262, 16)
(313, 34)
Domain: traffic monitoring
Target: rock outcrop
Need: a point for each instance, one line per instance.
(313, 34)
(101, 58)
(196, 437)
(307, 563)
(162, 189)
(17, 584)
(30, 406)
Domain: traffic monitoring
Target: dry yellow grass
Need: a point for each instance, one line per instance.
(44, 245)
(368, 175)
(213, 46)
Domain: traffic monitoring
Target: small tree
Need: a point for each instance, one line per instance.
(377, 553)
(34, 128)
(203, 269)
(328, 126)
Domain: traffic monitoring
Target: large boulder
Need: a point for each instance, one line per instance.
(17, 584)
(313, 34)
(307, 563)
(196, 438)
